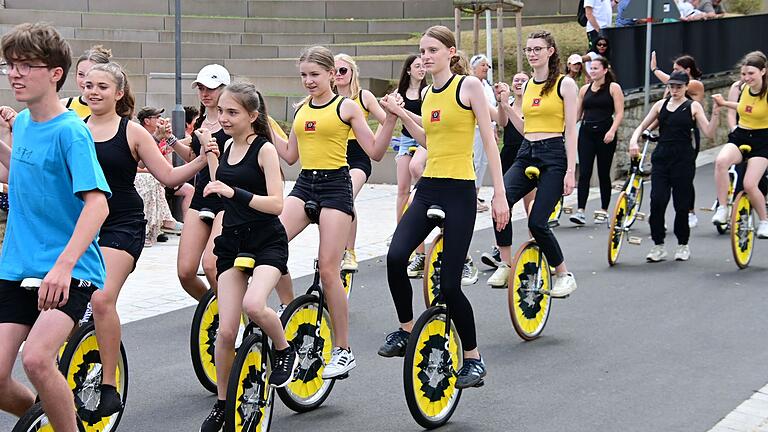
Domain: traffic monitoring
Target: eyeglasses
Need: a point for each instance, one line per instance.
(535, 50)
(22, 68)
(342, 71)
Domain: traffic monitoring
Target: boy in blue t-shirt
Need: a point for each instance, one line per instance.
(58, 201)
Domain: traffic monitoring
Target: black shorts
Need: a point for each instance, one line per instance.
(357, 158)
(212, 202)
(125, 236)
(329, 188)
(757, 138)
(267, 242)
(19, 305)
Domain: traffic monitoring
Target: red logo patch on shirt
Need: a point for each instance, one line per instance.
(748, 109)
(309, 126)
(435, 117)
(536, 102)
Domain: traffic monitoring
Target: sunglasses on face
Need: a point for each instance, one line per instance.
(342, 71)
(601, 44)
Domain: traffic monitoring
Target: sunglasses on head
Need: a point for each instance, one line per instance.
(342, 71)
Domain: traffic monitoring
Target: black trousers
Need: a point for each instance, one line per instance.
(549, 156)
(672, 175)
(458, 200)
(591, 146)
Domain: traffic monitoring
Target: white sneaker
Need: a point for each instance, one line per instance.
(349, 261)
(342, 361)
(564, 285)
(762, 229)
(682, 253)
(578, 218)
(656, 254)
(469, 273)
(693, 220)
(721, 215)
(500, 277)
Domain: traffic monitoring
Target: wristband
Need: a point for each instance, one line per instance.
(242, 196)
(171, 140)
(654, 70)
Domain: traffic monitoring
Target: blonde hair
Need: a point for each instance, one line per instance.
(354, 79)
(96, 54)
(126, 105)
(322, 57)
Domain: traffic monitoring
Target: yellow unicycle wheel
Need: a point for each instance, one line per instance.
(616, 231)
(433, 263)
(202, 341)
(249, 396)
(433, 357)
(81, 365)
(554, 217)
(347, 278)
(742, 230)
(635, 191)
(35, 420)
(530, 278)
(313, 346)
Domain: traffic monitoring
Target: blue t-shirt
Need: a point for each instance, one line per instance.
(51, 164)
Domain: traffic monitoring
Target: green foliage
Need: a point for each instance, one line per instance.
(744, 6)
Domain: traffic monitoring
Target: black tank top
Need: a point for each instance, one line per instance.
(119, 168)
(598, 106)
(248, 175)
(675, 126)
(204, 176)
(512, 137)
(413, 106)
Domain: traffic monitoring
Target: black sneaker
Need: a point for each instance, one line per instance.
(285, 363)
(215, 420)
(493, 259)
(471, 373)
(394, 344)
(109, 401)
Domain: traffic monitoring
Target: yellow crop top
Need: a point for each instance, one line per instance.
(359, 100)
(276, 129)
(450, 130)
(753, 110)
(80, 108)
(322, 135)
(543, 113)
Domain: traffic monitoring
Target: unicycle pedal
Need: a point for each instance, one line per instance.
(634, 240)
(568, 210)
(640, 216)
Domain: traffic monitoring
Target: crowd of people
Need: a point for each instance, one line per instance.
(107, 177)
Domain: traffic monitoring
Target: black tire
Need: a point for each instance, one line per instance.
(247, 382)
(426, 337)
(81, 365)
(298, 321)
(202, 340)
(35, 420)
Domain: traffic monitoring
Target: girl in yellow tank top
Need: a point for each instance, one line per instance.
(752, 130)
(347, 83)
(548, 125)
(450, 108)
(319, 139)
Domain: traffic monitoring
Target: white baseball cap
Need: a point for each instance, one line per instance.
(574, 58)
(212, 76)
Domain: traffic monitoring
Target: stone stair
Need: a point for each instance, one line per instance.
(258, 40)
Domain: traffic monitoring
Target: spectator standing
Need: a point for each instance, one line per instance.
(599, 15)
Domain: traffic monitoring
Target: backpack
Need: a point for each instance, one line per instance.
(581, 14)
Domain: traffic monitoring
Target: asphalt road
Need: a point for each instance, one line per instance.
(672, 346)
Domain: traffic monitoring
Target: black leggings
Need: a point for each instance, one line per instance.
(457, 198)
(673, 170)
(549, 156)
(591, 145)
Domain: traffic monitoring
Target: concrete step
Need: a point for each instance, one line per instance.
(262, 8)
(238, 25)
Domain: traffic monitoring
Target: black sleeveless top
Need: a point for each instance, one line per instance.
(413, 106)
(119, 168)
(597, 106)
(675, 126)
(203, 177)
(248, 175)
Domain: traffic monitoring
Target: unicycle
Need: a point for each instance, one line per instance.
(308, 328)
(250, 398)
(742, 230)
(80, 363)
(433, 355)
(735, 185)
(554, 217)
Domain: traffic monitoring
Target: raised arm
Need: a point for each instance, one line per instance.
(156, 163)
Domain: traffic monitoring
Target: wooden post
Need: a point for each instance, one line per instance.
(519, 25)
(457, 26)
(475, 31)
(500, 41)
